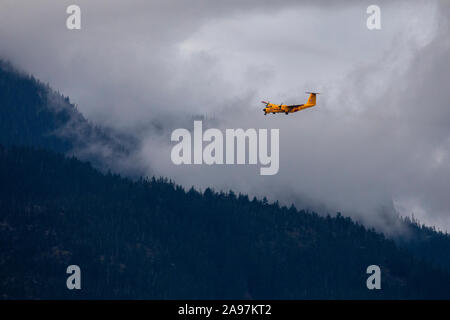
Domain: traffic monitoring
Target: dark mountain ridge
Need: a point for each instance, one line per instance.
(149, 238)
(152, 239)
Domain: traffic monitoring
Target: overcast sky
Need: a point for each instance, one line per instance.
(378, 142)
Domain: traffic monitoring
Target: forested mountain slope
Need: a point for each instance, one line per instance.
(151, 239)
(33, 114)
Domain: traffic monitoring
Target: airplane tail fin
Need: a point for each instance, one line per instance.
(312, 98)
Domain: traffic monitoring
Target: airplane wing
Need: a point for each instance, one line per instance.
(294, 106)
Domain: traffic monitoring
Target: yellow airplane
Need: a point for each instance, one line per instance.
(280, 108)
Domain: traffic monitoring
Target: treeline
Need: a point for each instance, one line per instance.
(152, 239)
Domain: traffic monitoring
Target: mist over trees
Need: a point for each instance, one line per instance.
(33, 114)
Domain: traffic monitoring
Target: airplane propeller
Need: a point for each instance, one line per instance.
(267, 104)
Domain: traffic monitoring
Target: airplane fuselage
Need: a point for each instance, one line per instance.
(281, 108)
